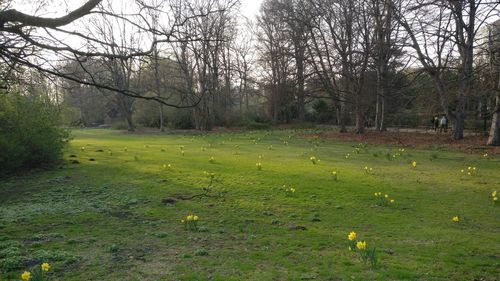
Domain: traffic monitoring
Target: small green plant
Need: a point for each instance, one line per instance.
(113, 248)
(201, 252)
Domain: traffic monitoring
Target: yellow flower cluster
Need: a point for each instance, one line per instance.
(414, 164)
(313, 159)
(361, 245)
(259, 166)
(494, 196)
(334, 175)
(289, 191)
(368, 170)
(192, 218)
(351, 236)
(470, 171)
(211, 160)
(455, 219)
(382, 200)
(26, 275)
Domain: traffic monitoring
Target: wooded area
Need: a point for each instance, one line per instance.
(200, 64)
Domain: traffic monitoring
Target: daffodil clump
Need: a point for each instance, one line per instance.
(383, 200)
(259, 166)
(334, 175)
(494, 196)
(470, 171)
(210, 176)
(167, 166)
(191, 222)
(368, 170)
(313, 159)
(289, 191)
(360, 247)
(347, 156)
(38, 274)
(485, 155)
(455, 219)
(414, 164)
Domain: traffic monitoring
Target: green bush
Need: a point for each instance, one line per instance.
(30, 135)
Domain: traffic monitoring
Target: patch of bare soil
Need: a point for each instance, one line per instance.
(470, 143)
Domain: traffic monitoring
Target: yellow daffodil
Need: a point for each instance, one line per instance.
(455, 219)
(292, 190)
(351, 236)
(195, 218)
(45, 266)
(414, 164)
(259, 166)
(392, 201)
(189, 217)
(26, 276)
(361, 245)
(494, 194)
(386, 196)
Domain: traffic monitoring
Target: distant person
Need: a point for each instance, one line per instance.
(443, 124)
(435, 123)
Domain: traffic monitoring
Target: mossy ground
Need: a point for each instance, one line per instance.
(105, 220)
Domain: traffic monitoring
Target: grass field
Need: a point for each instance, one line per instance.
(119, 217)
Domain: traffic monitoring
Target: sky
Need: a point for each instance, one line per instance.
(250, 8)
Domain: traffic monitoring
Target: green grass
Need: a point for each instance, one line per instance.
(105, 220)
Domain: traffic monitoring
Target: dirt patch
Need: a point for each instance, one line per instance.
(470, 144)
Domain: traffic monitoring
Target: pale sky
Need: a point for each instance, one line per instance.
(250, 8)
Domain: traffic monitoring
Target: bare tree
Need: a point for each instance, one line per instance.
(493, 54)
(41, 42)
(438, 30)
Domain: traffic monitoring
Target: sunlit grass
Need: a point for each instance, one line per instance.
(106, 218)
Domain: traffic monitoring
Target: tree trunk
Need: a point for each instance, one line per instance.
(300, 85)
(494, 138)
(360, 121)
(130, 123)
(162, 129)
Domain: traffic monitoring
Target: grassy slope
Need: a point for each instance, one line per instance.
(108, 214)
